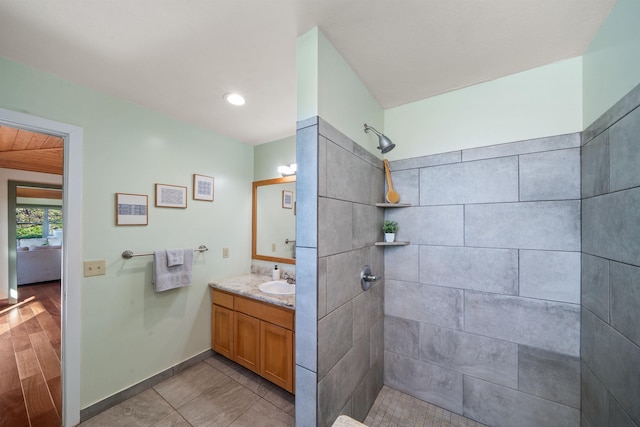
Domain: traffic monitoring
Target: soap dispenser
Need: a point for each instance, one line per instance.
(276, 273)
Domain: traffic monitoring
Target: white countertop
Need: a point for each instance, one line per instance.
(247, 285)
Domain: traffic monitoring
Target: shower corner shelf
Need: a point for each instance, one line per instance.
(392, 243)
(393, 205)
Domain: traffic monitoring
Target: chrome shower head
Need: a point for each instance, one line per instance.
(384, 144)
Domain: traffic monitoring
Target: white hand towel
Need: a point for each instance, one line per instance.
(175, 256)
(166, 277)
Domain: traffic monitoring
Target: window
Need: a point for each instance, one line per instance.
(37, 222)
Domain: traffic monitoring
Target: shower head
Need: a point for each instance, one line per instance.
(384, 144)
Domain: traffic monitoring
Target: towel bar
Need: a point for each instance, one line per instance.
(129, 253)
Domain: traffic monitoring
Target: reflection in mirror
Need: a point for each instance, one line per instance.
(274, 220)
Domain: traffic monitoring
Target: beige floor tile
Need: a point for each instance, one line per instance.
(173, 420)
(189, 384)
(282, 399)
(264, 414)
(141, 410)
(243, 376)
(220, 405)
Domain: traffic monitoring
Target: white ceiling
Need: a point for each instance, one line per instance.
(179, 57)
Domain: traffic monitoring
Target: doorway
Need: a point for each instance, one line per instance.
(34, 223)
(71, 251)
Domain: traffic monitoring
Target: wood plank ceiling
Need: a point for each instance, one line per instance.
(30, 151)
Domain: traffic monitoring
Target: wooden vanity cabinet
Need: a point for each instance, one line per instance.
(276, 356)
(222, 324)
(222, 330)
(246, 336)
(256, 335)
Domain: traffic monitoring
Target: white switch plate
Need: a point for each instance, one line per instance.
(225, 252)
(94, 268)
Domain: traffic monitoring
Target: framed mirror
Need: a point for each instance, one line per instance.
(273, 228)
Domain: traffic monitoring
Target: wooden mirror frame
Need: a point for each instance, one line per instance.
(254, 220)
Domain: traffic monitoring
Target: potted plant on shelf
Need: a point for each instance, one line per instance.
(390, 228)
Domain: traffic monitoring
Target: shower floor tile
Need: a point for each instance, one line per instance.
(393, 408)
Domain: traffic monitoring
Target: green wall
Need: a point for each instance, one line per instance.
(267, 157)
(130, 333)
(541, 102)
(612, 60)
(328, 87)
(307, 74)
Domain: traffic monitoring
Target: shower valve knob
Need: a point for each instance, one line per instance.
(366, 278)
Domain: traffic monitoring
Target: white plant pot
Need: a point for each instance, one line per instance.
(389, 237)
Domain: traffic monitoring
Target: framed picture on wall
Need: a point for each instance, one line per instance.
(132, 209)
(202, 187)
(287, 199)
(171, 196)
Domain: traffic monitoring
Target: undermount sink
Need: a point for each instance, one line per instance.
(277, 287)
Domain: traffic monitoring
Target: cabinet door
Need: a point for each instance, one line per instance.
(222, 330)
(276, 356)
(246, 343)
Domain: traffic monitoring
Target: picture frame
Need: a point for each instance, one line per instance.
(132, 209)
(171, 196)
(203, 187)
(287, 199)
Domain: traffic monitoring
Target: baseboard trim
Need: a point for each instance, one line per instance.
(103, 405)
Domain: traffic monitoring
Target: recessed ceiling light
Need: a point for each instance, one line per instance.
(234, 98)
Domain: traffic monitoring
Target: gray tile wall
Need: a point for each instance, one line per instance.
(482, 309)
(309, 283)
(340, 362)
(610, 342)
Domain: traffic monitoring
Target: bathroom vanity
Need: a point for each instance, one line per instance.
(254, 329)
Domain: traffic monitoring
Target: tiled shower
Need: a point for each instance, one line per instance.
(514, 249)
(610, 349)
(482, 313)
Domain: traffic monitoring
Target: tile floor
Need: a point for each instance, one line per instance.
(217, 392)
(394, 408)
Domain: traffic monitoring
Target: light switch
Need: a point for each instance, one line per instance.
(225, 252)
(94, 268)
(273, 247)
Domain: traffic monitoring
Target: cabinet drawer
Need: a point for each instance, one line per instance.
(222, 298)
(268, 313)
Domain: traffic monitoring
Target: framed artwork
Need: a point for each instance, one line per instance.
(202, 187)
(287, 199)
(132, 209)
(171, 196)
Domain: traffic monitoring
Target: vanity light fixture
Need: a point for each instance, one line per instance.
(288, 170)
(234, 98)
(384, 144)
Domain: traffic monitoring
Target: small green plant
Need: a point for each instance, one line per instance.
(390, 226)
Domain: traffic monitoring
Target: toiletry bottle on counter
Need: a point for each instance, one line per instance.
(276, 273)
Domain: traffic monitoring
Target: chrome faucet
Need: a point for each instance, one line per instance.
(289, 278)
(293, 249)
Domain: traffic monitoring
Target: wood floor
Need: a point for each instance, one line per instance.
(30, 387)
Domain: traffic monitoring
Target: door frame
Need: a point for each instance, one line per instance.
(71, 252)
